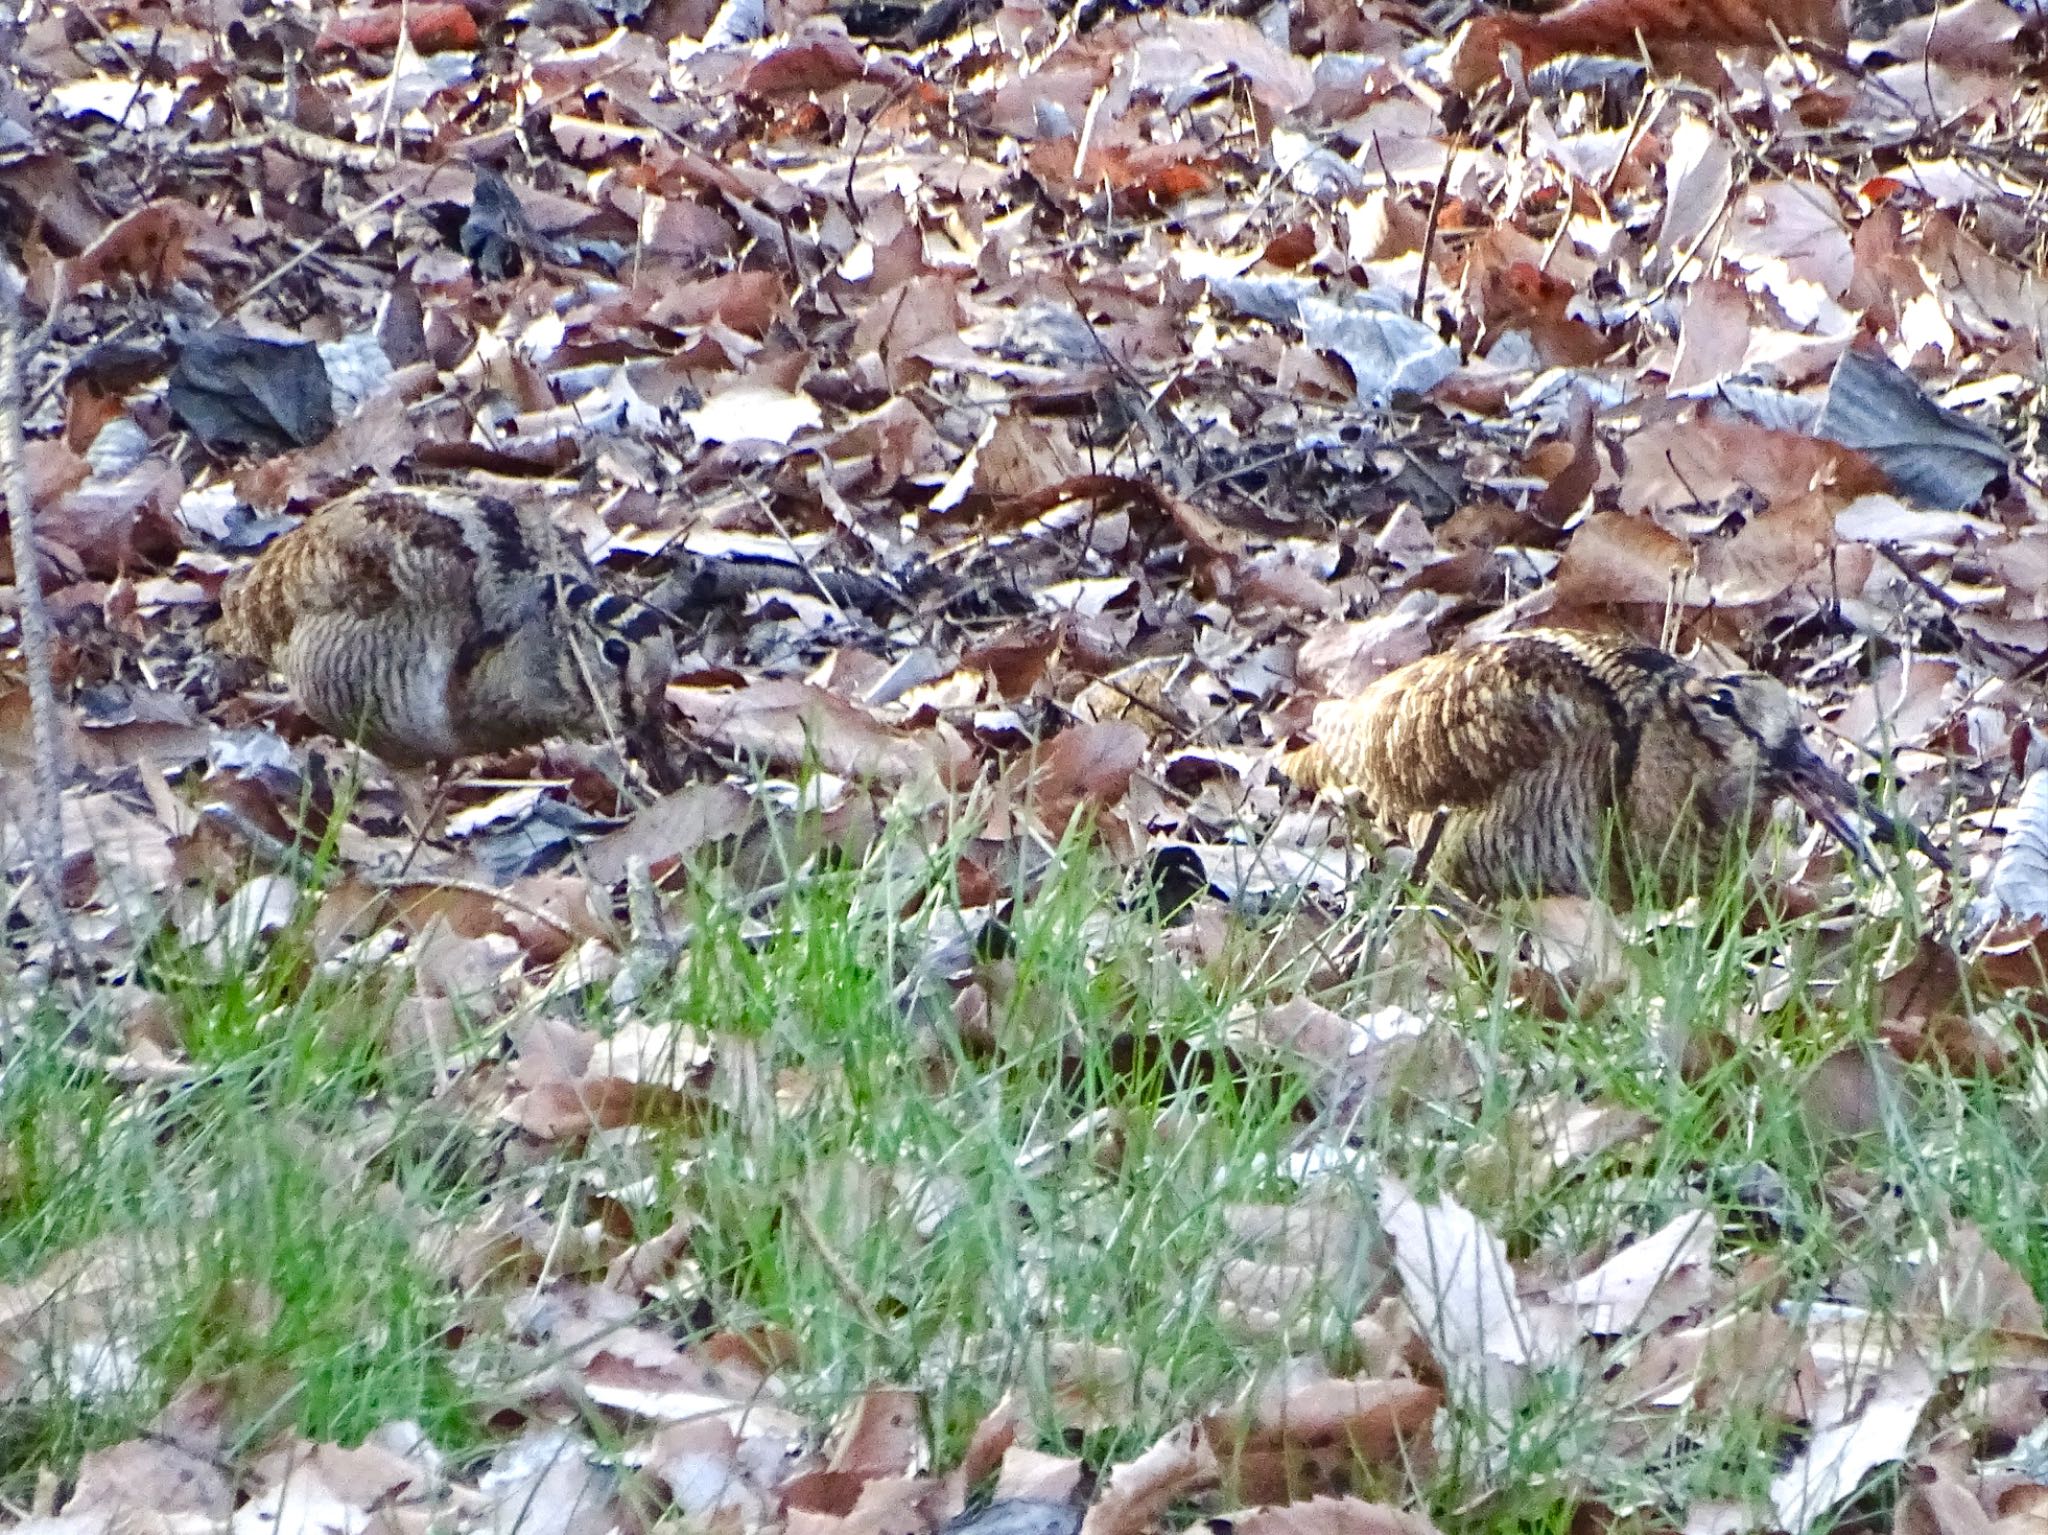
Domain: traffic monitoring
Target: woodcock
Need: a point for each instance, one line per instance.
(452, 626)
(1563, 764)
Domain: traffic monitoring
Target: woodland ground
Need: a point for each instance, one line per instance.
(986, 1078)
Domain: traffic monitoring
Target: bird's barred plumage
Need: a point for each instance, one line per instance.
(432, 627)
(1552, 762)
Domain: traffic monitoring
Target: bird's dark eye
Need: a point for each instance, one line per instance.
(1722, 701)
(617, 652)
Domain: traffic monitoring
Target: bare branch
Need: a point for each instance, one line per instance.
(41, 827)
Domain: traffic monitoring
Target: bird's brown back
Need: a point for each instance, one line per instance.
(1449, 729)
(1557, 761)
(444, 627)
(362, 558)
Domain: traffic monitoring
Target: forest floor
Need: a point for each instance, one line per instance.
(987, 1088)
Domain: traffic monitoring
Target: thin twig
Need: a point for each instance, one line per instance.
(2006, 656)
(41, 825)
(1436, 210)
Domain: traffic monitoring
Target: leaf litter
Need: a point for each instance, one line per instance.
(1024, 414)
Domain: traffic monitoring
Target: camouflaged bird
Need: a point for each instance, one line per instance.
(429, 627)
(1556, 763)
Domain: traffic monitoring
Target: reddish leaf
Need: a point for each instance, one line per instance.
(437, 26)
(820, 62)
(1524, 297)
(1087, 764)
(147, 248)
(1572, 482)
(1623, 27)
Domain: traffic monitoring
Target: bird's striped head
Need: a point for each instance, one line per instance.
(1751, 719)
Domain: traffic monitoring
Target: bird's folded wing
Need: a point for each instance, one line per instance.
(1450, 730)
(367, 559)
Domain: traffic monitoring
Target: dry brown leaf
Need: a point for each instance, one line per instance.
(789, 725)
(146, 248)
(1340, 659)
(1095, 1385)
(1866, 1419)
(1181, 46)
(644, 1265)
(1017, 660)
(1299, 1438)
(1522, 296)
(1135, 1493)
(895, 1506)
(1935, 1502)
(1455, 1275)
(1770, 553)
(882, 1436)
(1852, 1092)
(1681, 464)
(1647, 1283)
(1671, 28)
(1617, 558)
(151, 1475)
(707, 1477)
(1038, 1476)
(1571, 480)
(990, 1445)
(1328, 1516)
(1713, 337)
(1971, 1286)
(115, 523)
(551, 1481)
(1086, 765)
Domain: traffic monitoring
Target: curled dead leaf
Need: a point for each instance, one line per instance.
(147, 248)
(1300, 1438)
(1087, 765)
(1325, 1516)
(1181, 1463)
(790, 725)
(883, 1435)
(1614, 557)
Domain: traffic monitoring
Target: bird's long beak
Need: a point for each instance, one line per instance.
(1828, 797)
